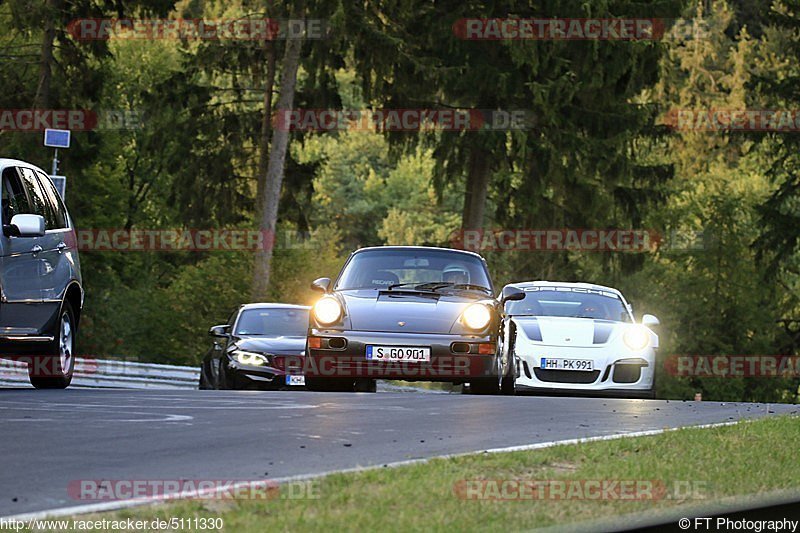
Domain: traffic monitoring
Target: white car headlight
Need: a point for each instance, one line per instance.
(636, 338)
(327, 310)
(250, 358)
(476, 316)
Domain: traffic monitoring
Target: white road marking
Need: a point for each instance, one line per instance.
(150, 417)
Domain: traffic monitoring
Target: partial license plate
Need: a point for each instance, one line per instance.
(398, 353)
(295, 380)
(566, 364)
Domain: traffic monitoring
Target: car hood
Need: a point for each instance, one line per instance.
(273, 345)
(564, 331)
(372, 310)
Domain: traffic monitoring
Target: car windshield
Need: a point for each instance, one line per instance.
(273, 322)
(575, 302)
(396, 269)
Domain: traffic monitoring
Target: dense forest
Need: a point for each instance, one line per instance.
(183, 136)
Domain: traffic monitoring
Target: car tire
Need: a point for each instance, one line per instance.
(223, 382)
(508, 385)
(366, 385)
(205, 383)
(55, 369)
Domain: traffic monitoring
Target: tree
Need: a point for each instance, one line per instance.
(280, 142)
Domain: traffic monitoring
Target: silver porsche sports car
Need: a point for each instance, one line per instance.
(580, 338)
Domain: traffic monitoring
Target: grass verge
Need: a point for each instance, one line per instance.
(684, 467)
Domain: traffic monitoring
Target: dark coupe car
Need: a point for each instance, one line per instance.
(261, 347)
(409, 313)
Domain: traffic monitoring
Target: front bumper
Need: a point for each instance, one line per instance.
(449, 363)
(274, 377)
(630, 374)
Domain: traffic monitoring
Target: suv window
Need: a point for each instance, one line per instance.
(14, 201)
(39, 202)
(54, 199)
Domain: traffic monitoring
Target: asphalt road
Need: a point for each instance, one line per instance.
(50, 438)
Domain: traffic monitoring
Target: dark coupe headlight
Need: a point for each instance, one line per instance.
(250, 358)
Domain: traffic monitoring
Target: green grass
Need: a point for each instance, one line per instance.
(748, 458)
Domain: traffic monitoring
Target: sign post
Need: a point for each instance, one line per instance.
(56, 139)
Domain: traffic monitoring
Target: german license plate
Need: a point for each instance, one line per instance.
(398, 353)
(295, 380)
(566, 364)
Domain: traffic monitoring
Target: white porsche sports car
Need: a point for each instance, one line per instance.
(580, 337)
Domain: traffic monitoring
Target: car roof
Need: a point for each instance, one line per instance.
(526, 284)
(435, 248)
(264, 305)
(6, 162)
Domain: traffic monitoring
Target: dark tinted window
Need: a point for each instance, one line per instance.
(273, 322)
(54, 200)
(39, 203)
(380, 268)
(15, 201)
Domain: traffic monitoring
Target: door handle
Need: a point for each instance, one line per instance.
(36, 249)
(61, 246)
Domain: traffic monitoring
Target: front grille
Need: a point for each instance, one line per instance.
(566, 376)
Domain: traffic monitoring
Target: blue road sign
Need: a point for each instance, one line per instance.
(61, 185)
(56, 138)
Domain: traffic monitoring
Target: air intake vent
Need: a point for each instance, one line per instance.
(626, 373)
(566, 376)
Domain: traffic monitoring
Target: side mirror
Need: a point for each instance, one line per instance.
(27, 226)
(650, 320)
(223, 331)
(321, 284)
(511, 294)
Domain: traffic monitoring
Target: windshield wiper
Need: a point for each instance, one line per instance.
(473, 287)
(436, 285)
(396, 285)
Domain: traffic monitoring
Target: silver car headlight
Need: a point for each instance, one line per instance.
(327, 310)
(476, 316)
(250, 358)
(636, 338)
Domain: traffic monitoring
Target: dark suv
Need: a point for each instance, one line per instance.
(41, 295)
